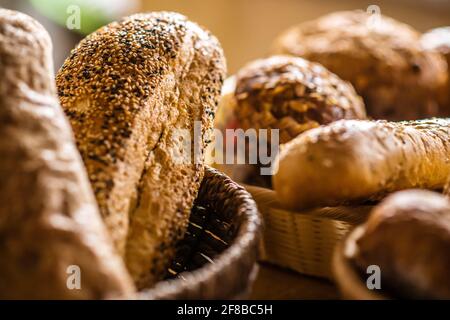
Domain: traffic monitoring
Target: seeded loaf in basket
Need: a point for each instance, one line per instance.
(128, 89)
(50, 227)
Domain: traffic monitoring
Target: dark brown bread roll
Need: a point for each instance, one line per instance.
(49, 221)
(408, 237)
(128, 89)
(383, 59)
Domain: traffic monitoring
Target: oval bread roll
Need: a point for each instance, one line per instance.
(51, 232)
(355, 160)
(408, 236)
(128, 89)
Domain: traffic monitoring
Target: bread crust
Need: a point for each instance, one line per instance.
(127, 88)
(293, 95)
(408, 237)
(355, 160)
(49, 220)
(384, 60)
(438, 40)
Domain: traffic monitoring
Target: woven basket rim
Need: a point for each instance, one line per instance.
(246, 240)
(345, 273)
(338, 213)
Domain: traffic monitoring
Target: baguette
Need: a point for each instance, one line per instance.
(49, 221)
(350, 161)
(409, 268)
(127, 88)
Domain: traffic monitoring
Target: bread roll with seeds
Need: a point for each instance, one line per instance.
(49, 221)
(408, 236)
(381, 57)
(292, 95)
(355, 160)
(127, 88)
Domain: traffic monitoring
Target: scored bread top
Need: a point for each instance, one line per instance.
(293, 95)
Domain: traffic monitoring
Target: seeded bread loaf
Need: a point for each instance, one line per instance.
(439, 40)
(408, 237)
(355, 160)
(128, 89)
(50, 227)
(381, 57)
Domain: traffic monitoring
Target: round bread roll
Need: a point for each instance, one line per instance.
(382, 58)
(408, 237)
(141, 95)
(53, 243)
(439, 40)
(292, 95)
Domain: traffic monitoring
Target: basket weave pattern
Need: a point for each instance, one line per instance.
(303, 241)
(217, 258)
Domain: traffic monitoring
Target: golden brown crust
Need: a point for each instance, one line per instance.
(48, 217)
(384, 61)
(439, 40)
(293, 95)
(355, 160)
(408, 237)
(127, 88)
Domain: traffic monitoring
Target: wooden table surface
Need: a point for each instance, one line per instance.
(277, 283)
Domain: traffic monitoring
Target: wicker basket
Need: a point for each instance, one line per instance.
(303, 241)
(217, 258)
(348, 279)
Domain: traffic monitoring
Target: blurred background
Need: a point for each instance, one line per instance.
(245, 28)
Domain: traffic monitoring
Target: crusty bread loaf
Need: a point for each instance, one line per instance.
(382, 58)
(354, 160)
(127, 88)
(408, 237)
(49, 221)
